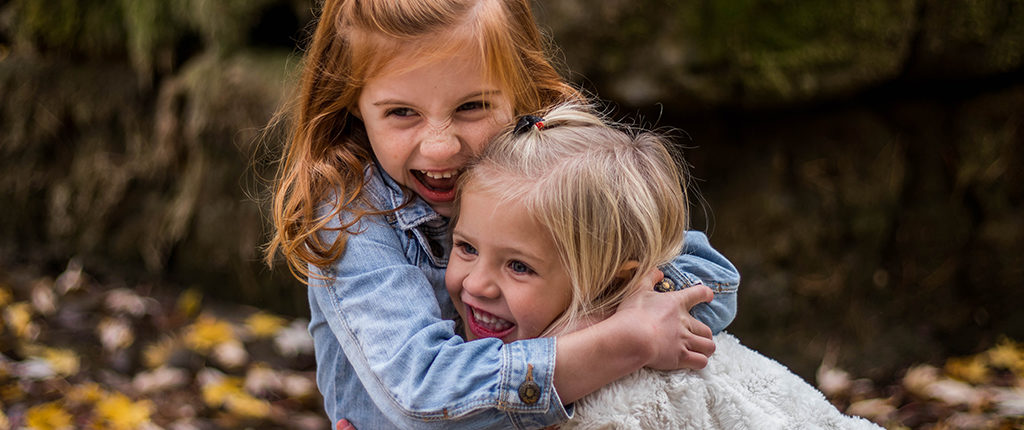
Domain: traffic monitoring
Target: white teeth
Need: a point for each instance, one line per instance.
(440, 175)
(493, 323)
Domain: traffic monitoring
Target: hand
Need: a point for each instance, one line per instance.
(343, 424)
(673, 338)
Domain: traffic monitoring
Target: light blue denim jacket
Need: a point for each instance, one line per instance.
(382, 323)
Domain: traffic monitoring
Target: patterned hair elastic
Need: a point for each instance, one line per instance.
(527, 121)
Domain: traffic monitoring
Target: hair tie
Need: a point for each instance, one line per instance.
(527, 121)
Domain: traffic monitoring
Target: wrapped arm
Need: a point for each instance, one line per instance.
(699, 263)
(380, 311)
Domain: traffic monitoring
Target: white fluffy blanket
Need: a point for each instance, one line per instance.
(739, 389)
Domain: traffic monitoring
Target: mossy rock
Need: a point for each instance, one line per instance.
(770, 53)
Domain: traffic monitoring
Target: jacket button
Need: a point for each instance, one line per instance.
(665, 285)
(529, 391)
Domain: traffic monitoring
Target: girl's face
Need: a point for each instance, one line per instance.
(504, 274)
(425, 121)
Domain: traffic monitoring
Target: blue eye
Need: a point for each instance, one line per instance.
(519, 267)
(465, 247)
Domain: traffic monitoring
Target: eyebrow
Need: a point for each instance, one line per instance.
(485, 93)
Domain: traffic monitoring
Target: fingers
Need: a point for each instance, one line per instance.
(700, 329)
(694, 361)
(701, 345)
(343, 424)
(695, 295)
(697, 351)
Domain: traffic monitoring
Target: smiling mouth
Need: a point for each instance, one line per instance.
(484, 324)
(440, 182)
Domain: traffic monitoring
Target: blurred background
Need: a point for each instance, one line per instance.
(854, 159)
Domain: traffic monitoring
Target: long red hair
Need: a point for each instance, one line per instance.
(328, 149)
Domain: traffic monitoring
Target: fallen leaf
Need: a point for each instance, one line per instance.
(294, 339)
(65, 362)
(85, 394)
(47, 416)
(160, 379)
(971, 369)
(71, 279)
(247, 406)
(1007, 354)
(217, 389)
(18, 317)
(45, 362)
(297, 386)
(206, 333)
(189, 302)
(918, 378)
(159, 353)
(118, 412)
(263, 325)
(955, 392)
(1009, 401)
(123, 300)
(261, 379)
(43, 298)
(230, 354)
(833, 382)
(115, 333)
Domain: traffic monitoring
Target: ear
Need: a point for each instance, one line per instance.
(626, 269)
(354, 111)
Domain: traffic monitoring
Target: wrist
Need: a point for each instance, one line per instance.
(630, 338)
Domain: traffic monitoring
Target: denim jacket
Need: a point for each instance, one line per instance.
(386, 349)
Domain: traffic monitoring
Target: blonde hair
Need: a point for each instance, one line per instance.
(354, 40)
(608, 195)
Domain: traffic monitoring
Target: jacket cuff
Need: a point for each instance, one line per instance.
(527, 389)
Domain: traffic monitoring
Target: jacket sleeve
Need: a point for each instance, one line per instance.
(699, 263)
(383, 316)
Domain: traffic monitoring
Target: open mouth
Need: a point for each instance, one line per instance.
(484, 324)
(437, 185)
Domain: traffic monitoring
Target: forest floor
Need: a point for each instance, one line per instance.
(79, 353)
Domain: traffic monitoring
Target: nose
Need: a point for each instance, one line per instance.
(440, 141)
(480, 282)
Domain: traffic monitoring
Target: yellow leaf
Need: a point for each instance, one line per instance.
(262, 324)
(206, 333)
(47, 416)
(159, 353)
(189, 302)
(19, 317)
(1007, 354)
(969, 369)
(63, 361)
(88, 393)
(247, 406)
(121, 413)
(218, 392)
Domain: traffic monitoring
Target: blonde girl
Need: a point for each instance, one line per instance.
(396, 97)
(556, 224)
(602, 207)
